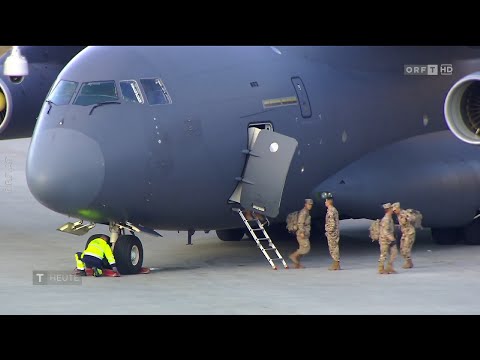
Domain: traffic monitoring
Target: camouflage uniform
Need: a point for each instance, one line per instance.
(303, 226)
(408, 237)
(332, 232)
(387, 244)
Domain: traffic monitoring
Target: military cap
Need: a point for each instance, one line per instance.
(387, 206)
(308, 201)
(396, 205)
(327, 195)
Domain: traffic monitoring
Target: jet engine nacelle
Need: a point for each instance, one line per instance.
(462, 109)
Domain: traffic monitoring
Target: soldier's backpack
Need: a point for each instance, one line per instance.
(292, 222)
(375, 230)
(416, 218)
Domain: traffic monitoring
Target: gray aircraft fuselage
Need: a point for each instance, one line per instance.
(366, 132)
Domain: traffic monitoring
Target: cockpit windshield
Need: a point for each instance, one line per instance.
(63, 92)
(156, 91)
(96, 92)
(131, 92)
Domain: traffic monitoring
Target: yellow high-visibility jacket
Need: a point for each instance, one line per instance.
(100, 248)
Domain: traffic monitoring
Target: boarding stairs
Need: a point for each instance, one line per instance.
(261, 237)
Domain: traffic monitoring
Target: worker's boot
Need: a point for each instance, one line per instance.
(390, 269)
(97, 272)
(79, 272)
(381, 270)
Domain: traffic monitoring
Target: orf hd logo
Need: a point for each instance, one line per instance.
(446, 69)
(430, 69)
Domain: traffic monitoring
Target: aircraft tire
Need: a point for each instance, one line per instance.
(230, 234)
(105, 263)
(447, 236)
(128, 253)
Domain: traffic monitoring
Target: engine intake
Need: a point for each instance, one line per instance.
(5, 106)
(462, 109)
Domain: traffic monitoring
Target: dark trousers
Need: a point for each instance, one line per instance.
(92, 261)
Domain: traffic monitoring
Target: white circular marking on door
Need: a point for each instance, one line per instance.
(302, 169)
(159, 141)
(344, 136)
(273, 147)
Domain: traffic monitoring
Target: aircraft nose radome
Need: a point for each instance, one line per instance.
(65, 170)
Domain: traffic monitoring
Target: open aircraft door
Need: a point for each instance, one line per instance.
(269, 155)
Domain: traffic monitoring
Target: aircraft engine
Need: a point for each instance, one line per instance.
(462, 109)
(5, 106)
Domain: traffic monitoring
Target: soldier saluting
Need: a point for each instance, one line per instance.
(408, 234)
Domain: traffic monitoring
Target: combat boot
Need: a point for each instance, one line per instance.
(294, 258)
(335, 265)
(390, 269)
(298, 265)
(381, 270)
(296, 261)
(408, 264)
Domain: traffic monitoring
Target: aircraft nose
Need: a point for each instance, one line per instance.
(65, 170)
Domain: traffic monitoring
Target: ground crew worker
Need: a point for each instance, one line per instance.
(92, 257)
(332, 231)
(303, 234)
(387, 241)
(408, 235)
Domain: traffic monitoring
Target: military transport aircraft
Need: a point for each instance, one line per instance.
(172, 138)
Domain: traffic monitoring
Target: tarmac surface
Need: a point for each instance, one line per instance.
(216, 277)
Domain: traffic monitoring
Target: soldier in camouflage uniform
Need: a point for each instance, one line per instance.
(387, 241)
(303, 234)
(332, 231)
(408, 234)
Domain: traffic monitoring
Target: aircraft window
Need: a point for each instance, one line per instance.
(131, 91)
(63, 92)
(96, 92)
(156, 92)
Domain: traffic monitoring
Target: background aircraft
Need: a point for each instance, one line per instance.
(145, 138)
(21, 98)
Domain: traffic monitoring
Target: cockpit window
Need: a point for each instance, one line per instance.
(156, 92)
(96, 92)
(131, 91)
(63, 92)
